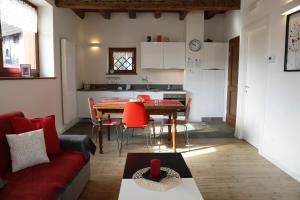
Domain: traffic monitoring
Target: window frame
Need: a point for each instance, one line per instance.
(111, 61)
(15, 72)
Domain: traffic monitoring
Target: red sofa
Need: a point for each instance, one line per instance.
(63, 178)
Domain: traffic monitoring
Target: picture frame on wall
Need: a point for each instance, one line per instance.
(25, 70)
(292, 43)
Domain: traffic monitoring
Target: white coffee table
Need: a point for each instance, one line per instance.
(187, 190)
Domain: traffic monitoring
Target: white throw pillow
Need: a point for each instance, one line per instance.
(27, 149)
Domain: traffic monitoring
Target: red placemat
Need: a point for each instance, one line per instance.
(112, 101)
(164, 102)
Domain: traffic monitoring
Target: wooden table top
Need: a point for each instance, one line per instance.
(152, 104)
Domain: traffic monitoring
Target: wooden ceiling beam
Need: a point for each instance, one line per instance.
(105, 13)
(79, 13)
(211, 14)
(132, 14)
(157, 14)
(154, 5)
(182, 14)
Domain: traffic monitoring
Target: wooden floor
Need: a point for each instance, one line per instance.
(224, 169)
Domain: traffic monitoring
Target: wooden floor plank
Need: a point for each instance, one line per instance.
(224, 169)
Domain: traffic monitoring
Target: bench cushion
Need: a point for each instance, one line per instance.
(6, 128)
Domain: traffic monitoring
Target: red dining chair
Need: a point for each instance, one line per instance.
(134, 116)
(145, 97)
(105, 122)
(168, 122)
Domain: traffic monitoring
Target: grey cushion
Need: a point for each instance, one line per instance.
(81, 143)
(2, 183)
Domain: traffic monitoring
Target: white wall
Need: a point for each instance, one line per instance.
(280, 139)
(214, 28)
(38, 98)
(120, 31)
(232, 24)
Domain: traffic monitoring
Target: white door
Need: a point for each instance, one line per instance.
(256, 79)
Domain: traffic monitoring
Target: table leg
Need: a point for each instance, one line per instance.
(169, 128)
(99, 117)
(174, 131)
(108, 128)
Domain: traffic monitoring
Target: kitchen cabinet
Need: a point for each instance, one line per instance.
(214, 55)
(152, 55)
(163, 55)
(174, 55)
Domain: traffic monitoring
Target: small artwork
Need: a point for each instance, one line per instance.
(25, 70)
(292, 43)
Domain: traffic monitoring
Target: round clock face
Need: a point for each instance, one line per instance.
(195, 45)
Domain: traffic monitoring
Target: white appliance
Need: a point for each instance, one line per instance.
(205, 82)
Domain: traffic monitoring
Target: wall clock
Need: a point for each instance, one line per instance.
(195, 45)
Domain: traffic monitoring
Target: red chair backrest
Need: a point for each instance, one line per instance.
(144, 97)
(134, 115)
(188, 108)
(92, 110)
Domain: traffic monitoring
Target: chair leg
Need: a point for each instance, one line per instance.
(147, 140)
(153, 128)
(187, 136)
(160, 136)
(121, 144)
(118, 132)
(150, 137)
(127, 134)
(132, 132)
(92, 135)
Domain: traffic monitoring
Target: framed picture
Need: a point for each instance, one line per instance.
(292, 43)
(25, 70)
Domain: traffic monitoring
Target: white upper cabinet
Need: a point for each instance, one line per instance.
(163, 55)
(152, 55)
(214, 55)
(174, 55)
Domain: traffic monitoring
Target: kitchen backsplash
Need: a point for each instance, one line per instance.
(150, 87)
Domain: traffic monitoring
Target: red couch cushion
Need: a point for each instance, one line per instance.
(44, 181)
(22, 125)
(6, 128)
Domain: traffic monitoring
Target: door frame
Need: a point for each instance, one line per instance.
(227, 80)
(256, 25)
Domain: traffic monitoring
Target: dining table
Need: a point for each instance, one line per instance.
(108, 107)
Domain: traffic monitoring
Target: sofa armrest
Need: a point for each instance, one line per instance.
(82, 143)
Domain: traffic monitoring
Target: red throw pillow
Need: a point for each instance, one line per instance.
(21, 125)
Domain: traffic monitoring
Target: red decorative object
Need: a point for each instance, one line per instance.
(155, 168)
(158, 38)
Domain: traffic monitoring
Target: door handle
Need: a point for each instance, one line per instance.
(246, 88)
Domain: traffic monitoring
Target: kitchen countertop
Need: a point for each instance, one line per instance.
(139, 90)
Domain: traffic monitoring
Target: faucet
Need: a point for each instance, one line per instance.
(146, 80)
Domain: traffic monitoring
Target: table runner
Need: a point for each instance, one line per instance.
(151, 102)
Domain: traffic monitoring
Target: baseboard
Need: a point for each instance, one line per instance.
(281, 166)
(67, 126)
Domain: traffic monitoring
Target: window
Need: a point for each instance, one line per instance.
(122, 61)
(18, 35)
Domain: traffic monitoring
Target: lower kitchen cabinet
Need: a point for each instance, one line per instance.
(82, 98)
